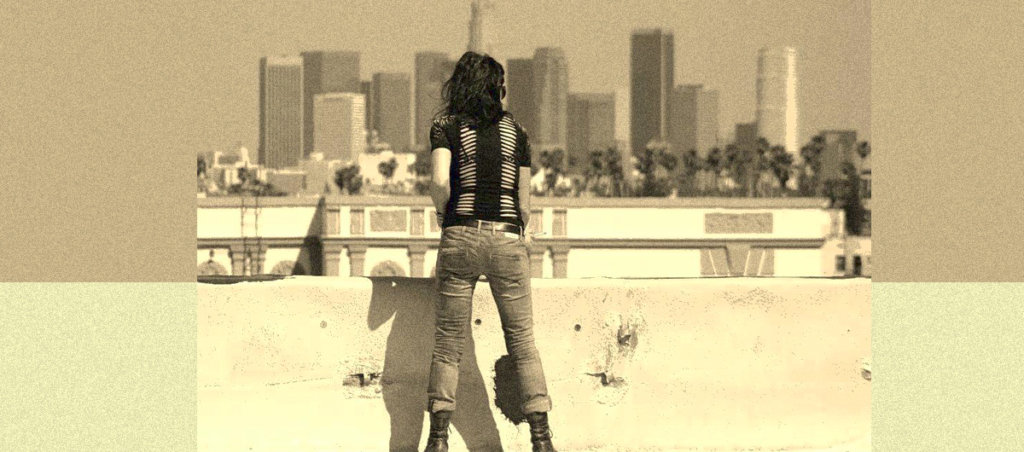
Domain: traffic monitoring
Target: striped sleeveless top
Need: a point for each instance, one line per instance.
(484, 171)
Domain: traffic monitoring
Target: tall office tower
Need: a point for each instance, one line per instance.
(340, 125)
(280, 111)
(651, 71)
(391, 110)
(519, 83)
(366, 89)
(746, 134)
(840, 146)
(777, 99)
(694, 121)
(591, 125)
(325, 72)
(477, 37)
(550, 94)
(432, 70)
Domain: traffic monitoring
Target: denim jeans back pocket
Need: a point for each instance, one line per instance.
(452, 260)
(510, 258)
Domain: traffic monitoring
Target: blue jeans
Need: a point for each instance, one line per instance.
(464, 254)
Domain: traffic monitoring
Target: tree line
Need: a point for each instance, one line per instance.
(760, 170)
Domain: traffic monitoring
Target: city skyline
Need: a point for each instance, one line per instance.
(832, 94)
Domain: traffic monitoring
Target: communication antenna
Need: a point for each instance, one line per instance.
(245, 243)
(256, 230)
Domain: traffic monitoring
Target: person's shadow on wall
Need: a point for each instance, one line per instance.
(407, 367)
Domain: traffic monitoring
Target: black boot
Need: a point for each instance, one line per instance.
(438, 439)
(540, 433)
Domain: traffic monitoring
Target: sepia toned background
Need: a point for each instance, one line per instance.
(90, 198)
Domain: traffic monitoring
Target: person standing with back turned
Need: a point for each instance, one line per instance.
(481, 189)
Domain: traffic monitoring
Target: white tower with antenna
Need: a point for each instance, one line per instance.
(478, 41)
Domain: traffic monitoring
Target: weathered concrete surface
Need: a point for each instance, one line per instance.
(697, 364)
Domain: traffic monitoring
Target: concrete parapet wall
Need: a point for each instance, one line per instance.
(695, 364)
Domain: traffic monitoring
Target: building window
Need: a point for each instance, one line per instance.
(841, 264)
(856, 265)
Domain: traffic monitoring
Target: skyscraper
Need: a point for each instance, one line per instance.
(432, 70)
(651, 69)
(591, 125)
(325, 72)
(340, 125)
(520, 97)
(391, 108)
(366, 88)
(777, 99)
(746, 134)
(694, 121)
(840, 146)
(550, 93)
(281, 111)
(477, 38)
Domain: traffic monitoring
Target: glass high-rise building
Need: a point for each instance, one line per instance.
(591, 125)
(519, 96)
(392, 112)
(694, 121)
(777, 113)
(281, 111)
(840, 146)
(746, 134)
(325, 72)
(651, 71)
(432, 70)
(340, 125)
(366, 89)
(550, 94)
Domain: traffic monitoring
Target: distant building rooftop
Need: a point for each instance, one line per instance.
(650, 31)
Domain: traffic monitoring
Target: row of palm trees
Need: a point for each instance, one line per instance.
(760, 170)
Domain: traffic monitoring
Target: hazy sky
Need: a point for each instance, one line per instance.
(191, 67)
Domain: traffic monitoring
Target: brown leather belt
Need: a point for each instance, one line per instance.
(488, 225)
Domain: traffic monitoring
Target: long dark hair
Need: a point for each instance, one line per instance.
(473, 93)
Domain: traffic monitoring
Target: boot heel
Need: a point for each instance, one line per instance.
(437, 441)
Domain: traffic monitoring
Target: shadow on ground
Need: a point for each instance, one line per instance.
(407, 368)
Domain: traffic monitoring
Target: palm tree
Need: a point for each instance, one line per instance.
(612, 169)
(421, 168)
(756, 162)
(810, 185)
(553, 164)
(864, 149)
(349, 178)
(691, 165)
(200, 165)
(852, 206)
(713, 162)
(387, 169)
(648, 161)
(592, 172)
(737, 161)
(781, 163)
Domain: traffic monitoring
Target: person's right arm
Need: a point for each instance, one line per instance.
(440, 159)
(525, 174)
